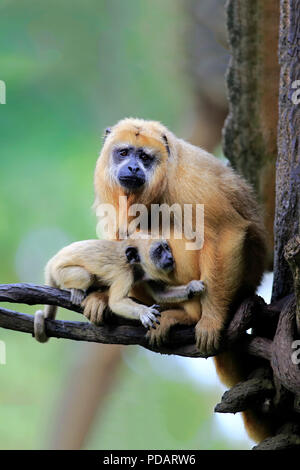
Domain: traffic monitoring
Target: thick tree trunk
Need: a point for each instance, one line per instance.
(250, 143)
(207, 61)
(250, 132)
(288, 163)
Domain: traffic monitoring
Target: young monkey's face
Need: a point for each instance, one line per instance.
(155, 260)
(161, 256)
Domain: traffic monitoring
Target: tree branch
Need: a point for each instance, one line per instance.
(247, 394)
(252, 313)
(119, 330)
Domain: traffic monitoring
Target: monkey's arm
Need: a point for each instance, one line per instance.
(222, 265)
(177, 294)
(121, 304)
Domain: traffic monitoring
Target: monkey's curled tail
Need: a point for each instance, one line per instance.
(233, 368)
(40, 316)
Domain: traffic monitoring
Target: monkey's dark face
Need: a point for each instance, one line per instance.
(162, 257)
(132, 166)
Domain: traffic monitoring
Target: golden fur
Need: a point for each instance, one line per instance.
(231, 262)
(103, 264)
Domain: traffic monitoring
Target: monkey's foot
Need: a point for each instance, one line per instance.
(195, 288)
(207, 336)
(149, 316)
(169, 318)
(157, 337)
(77, 296)
(94, 305)
(39, 327)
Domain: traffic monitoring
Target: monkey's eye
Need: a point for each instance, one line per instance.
(166, 246)
(123, 152)
(159, 250)
(146, 158)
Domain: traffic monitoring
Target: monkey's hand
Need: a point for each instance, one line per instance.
(148, 316)
(94, 305)
(208, 333)
(195, 288)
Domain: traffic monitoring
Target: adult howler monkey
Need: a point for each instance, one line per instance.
(146, 162)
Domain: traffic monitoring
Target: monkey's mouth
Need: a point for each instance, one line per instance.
(131, 182)
(169, 266)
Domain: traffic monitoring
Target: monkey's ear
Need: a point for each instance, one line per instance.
(132, 255)
(107, 131)
(166, 143)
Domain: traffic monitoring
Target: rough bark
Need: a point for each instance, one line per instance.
(292, 256)
(252, 80)
(288, 163)
(250, 143)
(118, 330)
(247, 394)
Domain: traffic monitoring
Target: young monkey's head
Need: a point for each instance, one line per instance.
(161, 256)
(154, 257)
(133, 160)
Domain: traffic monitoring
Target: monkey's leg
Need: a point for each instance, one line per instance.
(74, 278)
(222, 266)
(94, 305)
(170, 318)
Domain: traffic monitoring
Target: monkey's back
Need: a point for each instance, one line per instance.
(102, 258)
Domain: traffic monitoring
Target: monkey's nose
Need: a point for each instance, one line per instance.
(134, 169)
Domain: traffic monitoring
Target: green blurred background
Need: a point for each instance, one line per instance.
(71, 69)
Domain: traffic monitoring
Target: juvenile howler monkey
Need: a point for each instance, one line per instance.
(146, 162)
(118, 265)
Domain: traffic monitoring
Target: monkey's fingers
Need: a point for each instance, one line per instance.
(39, 327)
(158, 336)
(148, 317)
(207, 338)
(156, 309)
(94, 312)
(195, 288)
(94, 305)
(77, 296)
